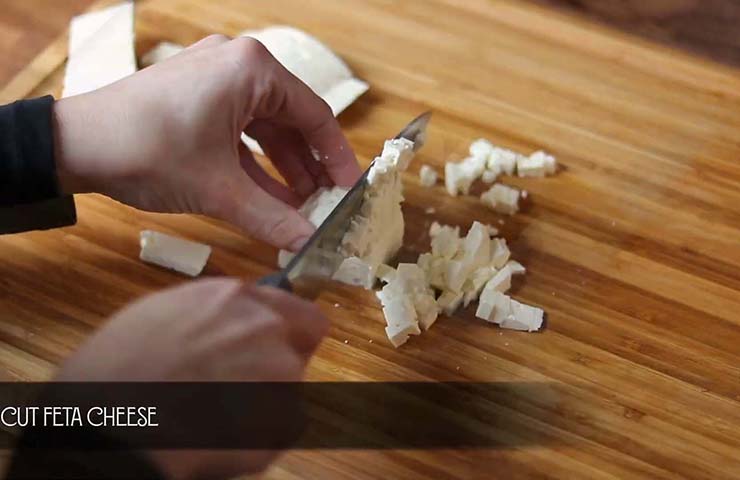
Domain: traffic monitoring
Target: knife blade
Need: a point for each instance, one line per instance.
(319, 258)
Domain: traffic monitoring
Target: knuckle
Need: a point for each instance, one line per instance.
(250, 49)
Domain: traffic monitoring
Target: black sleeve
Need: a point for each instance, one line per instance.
(30, 198)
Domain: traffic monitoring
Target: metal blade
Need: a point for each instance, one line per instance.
(319, 257)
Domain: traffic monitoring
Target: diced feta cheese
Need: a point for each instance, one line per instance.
(427, 176)
(445, 242)
(530, 166)
(493, 306)
(500, 252)
(549, 162)
(425, 263)
(492, 231)
(523, 317)
(455, 275)
(355, 271)
(489, 176)
(502, 199)
(516, 267)
(477, 246)
(457, 179)
(500, 282)
(385, 273)
(399, 334)
(427, 310)
(475, 283)
(410, 278)
(502, 160)
(438, 273)
(399, 152)
(174, 253)
(449, 302)
(481, 148)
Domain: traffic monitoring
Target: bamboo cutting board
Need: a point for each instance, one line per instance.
(633, 249)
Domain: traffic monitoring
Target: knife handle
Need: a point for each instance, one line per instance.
(276, 280)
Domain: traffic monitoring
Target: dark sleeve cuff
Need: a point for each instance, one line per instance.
(30, 197)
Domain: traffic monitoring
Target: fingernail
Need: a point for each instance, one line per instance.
(299, 243)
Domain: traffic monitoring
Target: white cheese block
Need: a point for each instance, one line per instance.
(493, 306)
(312, 62)
(354, 271)
(161, 52)
(502, 199)
(174, 253)
(398, 152)
(449, 302)
(427, 176)
(101, 49)
(500, 252)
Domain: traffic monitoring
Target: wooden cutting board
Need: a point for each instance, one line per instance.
(633, 249)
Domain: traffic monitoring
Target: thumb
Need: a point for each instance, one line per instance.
(266, 217)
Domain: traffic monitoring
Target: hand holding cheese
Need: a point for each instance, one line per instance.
(209, 330)
(167, 139)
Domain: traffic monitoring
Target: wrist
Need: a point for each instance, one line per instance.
(68, 138)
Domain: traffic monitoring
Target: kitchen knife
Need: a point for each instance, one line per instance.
(319, 258)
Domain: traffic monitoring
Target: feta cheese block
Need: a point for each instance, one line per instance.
(427, 176)
(401, 320)
(315, 209)
(375, 233)
(502, 199)
(161, 52)
(314, 63)
(174, 253)
(408, 303)
(523, 317)
(101, 49)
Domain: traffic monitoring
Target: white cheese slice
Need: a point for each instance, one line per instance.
(174, 253)
(427, 176)
(101, 49)
(502, 199)
(161, 52)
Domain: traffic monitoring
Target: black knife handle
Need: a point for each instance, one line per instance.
(276, 280)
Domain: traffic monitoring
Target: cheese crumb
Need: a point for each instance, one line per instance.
(502, 199)
(427, 176)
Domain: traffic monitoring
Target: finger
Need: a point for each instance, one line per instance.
(306, 326)
(265, 180)
(209, 41)
(247, 205)
(290, 102)
(288, 152)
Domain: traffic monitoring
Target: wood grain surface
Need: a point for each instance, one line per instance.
(633, 249)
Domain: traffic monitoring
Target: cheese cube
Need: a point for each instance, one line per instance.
(549, 162)
(399, 334)
(411, 278)
(438, 273)
(500, 282)
(502, 160)
(523, 317)
(481, 148)
(457, 179)
(427, 176)
(446, 242)
(355, 271)
(398, 152)
(398, 310)
(530, 166)
(449, 302)
(502, 199)
(500, 252)
(477, 246)
(427, 310)
(425, 263)
(174, 253)
(475, 283)
(455, 275)
(489, 176)
(493, 306)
